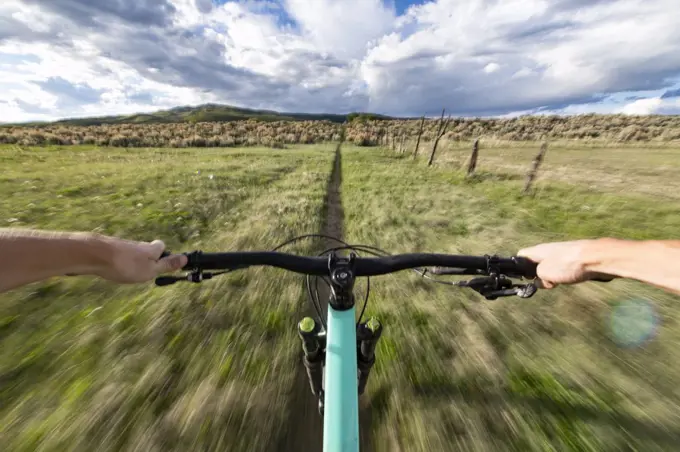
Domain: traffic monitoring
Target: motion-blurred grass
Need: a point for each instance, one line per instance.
(456, 372)
(87, 365)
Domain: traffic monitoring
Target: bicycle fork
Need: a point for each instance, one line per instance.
(314, 350)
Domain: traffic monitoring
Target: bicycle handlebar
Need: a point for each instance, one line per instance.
(363, 266)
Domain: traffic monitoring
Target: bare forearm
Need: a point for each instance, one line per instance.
(655, 262)
(28, 256)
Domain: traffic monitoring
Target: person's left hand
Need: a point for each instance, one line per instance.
(132, 262)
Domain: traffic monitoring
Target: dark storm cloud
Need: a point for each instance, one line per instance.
(520, 82)
(185, 59)
(671, 93)
(141, 98)
(31, 108)
(91, 12)
(570, 5)
(204, 6)
(540, 31)
(409, 80)
(67, 92)
(11, 28)
(668, 110)
(468, 91)
(178, 57)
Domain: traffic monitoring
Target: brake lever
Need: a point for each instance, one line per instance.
(493, 287)
(494, 294)
(526, 290)
(194, 277)
(519, 290)
(484, 285)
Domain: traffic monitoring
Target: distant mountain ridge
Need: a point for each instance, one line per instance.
(206, 113)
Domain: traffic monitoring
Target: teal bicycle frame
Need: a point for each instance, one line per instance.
(341, 404)
(339, 360)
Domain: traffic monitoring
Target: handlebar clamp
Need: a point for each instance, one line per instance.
(493, 267)
(342, 278)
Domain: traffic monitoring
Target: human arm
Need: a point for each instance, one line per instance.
(27, 256)
(655, 262)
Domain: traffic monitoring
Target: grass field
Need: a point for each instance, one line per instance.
(88, 365)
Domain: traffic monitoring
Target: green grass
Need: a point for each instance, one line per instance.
(538, 374)
(88, 365)
(648, 169)
(201, 113)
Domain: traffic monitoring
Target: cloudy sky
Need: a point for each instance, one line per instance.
(74, 58)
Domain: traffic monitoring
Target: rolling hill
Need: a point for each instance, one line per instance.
(206, 113)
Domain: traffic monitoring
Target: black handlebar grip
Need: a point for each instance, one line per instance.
(167, 253)
(528, 270)
(526, 267)
(166, 280)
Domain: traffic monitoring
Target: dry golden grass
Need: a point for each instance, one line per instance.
(87, 365)
(646, 169)
(458, 373)
(360, 131)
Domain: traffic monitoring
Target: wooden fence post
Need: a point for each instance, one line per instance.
(420, 133)
(531, 175)
(472, 165)
(440, 133)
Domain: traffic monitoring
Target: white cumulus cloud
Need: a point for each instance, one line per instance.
(64, 58)
(491, 67)
(653, 105)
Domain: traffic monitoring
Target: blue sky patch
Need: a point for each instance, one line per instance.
(7, 59)
(340, 56)
(68, 92)
(402, 5)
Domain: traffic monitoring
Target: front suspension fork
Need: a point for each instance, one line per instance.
(368, 335)
(314, 349)
(314, 353)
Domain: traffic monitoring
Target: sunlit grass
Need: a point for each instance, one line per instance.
(88, 365)
(456, 372)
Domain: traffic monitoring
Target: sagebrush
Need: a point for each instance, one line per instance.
(360, 131)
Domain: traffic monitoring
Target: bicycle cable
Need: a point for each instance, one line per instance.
(314, 295)
(491, 288)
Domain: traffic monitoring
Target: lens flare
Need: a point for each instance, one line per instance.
(633, 322)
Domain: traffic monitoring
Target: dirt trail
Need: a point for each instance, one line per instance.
(335, 214)
(334, 221)
(477, 348)
(305, 432)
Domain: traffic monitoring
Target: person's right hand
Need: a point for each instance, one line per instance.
(130, 262)
(562, 262)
